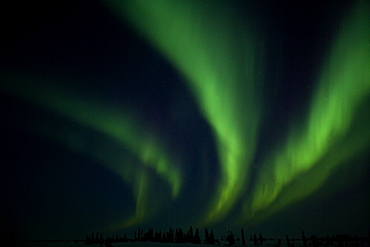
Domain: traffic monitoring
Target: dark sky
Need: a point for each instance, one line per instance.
(108, 127)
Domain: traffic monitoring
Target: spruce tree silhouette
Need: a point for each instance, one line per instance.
(287, 241)
(191, 233)
(260, 239)
(170, 237)
(179, 236)
(196, 239)
(255, 241)
(189, 236)
(87, 240)
(211, 238)
(206, 235)
(176, 235)
(139, 231)
(231, 239)
(108, 242)
(157, 237)
(315, 241)
(304, 240)
(243, 239)
(148, 236)
(164, 237)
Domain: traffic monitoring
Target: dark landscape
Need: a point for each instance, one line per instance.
(125, 122)
(192, 237)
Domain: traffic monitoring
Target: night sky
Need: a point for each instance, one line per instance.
(219, 114)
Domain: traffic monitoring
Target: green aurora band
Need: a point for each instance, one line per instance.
(200, 41)
(220, 64)
(121, 126)
(336, 129)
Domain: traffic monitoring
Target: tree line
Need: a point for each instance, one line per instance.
(170, 236)
(191, 236)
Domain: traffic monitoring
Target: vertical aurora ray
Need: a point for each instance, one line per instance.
(209, 46)
(122, 127)
(331, 135)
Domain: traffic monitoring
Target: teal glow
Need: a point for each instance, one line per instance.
(219, 63)
(119, 125)
(329, 137)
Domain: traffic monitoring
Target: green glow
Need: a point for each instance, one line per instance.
(219, 62)
(121, 126)
(328, 138)
(219, 56)
(150, 194)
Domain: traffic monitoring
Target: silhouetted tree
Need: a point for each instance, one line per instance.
(196, 239)
(211, 238)
(188, 238)
(255, 241)
(179, 236)
(231, 239)
(138, 234)
(170, 237)
(287, 241)
(108, 242)
(148, 236)
(315, 241)
(304, 240)
(164, 238)
(243, 239)
(88, 240)
(206, 235)
(158, 236)
(190, 234)
(261, 239)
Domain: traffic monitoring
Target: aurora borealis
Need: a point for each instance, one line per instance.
(223, 83)
(122, 114)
